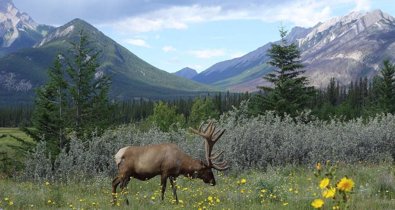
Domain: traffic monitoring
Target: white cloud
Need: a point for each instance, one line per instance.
(362, 5)
(168, 49)
(207, 53)
(301, 13)
(137, 42)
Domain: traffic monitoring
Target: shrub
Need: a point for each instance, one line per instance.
(258, 142)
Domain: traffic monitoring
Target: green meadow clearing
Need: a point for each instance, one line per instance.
(291, 187)
(11, 141)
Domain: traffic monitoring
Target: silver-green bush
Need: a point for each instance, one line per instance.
(257, 142)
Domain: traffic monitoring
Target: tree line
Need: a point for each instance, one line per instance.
(290, 93)
(75, 101)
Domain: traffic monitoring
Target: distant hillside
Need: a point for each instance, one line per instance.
(186, 73)
(22, 71)
(345, 48)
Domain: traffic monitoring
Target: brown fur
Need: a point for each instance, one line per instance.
(167, 160)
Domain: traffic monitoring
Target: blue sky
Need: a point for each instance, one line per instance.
(188, 33)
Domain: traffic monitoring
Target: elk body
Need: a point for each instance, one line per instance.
(168, 161)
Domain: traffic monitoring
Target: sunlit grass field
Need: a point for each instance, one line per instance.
(7, 133)
(6, 138)
(291, 187)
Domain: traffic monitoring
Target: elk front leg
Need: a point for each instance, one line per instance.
(115, 184)
(163, 181)
(173, 186)
(124, 184)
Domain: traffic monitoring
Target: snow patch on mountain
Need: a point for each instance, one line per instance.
(12, 22)
(59, 33)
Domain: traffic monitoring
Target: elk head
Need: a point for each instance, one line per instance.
(211, 137)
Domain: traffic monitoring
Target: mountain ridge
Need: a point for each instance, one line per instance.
(346, 48)
(131, 76)
(186, 72)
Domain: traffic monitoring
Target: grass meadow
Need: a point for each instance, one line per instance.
(289, 187)
(273, 166)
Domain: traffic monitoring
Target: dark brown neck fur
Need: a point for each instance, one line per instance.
(191, 166)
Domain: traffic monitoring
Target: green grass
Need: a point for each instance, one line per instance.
(277, 188)
(7, 138)
(10, 149)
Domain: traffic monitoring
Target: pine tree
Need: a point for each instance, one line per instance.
(289, 93)
(332, 92)
(48, 117)
(75, 99)
(386, 89)
(88, 89)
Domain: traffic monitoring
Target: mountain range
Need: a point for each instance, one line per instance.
(345, 48)
(24, 67)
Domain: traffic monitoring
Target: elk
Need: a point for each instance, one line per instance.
(168, 161)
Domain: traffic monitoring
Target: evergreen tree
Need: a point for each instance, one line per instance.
(74, 99)
(333, 92)
(386, 89)
(289, 92)
(88, 89)
(49, 116)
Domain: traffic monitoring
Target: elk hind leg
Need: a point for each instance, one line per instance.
(173, 186)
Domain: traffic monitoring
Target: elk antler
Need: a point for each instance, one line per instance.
(211, 137)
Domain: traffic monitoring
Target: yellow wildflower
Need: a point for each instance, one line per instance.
(324, 183)
(47, 183)
(218, 200)
(11, 203)
(317, 203)
(243, 181)
(329, 193)
(345, 184)
(318, 166)
(210, 198)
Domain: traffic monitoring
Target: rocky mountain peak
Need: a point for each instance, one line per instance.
(13, 23)
(71, 28)
(351, 25)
